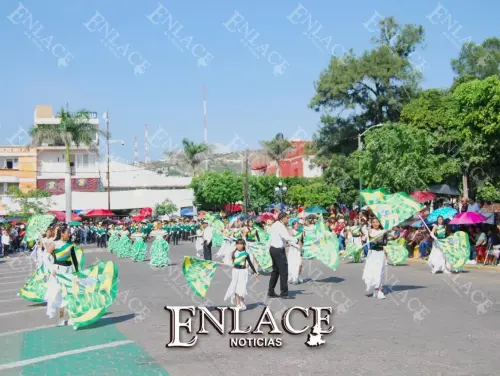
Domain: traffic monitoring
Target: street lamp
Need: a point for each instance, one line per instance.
(280, 191)
(360, 147)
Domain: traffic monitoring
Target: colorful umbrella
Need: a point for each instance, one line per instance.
(265, 217)
(373, 196)
(446, 213)
(61, 216)
(37, 225)
(99, 213)
(316, 210)
(468, 218)
(75, 223)
(423, 196)
(445, 189)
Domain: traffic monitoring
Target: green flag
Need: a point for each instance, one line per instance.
(35, 289)
(261, 252)
(394, 209)
(199, 274)
(90, 292)
(352, 250)
(373, 196)
(456, 248)
(397, 251)
(324, 248)
(37, 225)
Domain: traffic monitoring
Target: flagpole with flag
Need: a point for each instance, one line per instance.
(205, 129)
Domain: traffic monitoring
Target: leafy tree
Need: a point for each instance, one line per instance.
(193, 153)
(317, 193)
(400, 158)
(73, 130)
(167, 207)
(488, 192)
(478, 60)
(276, 149)
(28, 203)
(357, 92)
(342, 172)
(214, 190)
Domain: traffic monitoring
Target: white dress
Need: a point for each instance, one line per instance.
(238, 285)
(437, 261)
(53, 296)
(374, 271)
(199, 243)
(294, 262)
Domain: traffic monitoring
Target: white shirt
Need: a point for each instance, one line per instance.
(473, 208)
(279, 235)
(207, 234)
(490, 217)
(5, 239)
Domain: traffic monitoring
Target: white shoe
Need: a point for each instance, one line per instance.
(243, 307)
(446, 271)
(380, 295)
(69, 322)
(61, 322)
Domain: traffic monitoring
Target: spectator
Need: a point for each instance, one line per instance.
(473, 206)
(490, 217)
(5, 243)
(481, 241)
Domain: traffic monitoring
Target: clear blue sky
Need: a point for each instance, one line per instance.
(243, 94)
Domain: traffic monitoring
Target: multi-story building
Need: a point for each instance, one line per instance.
(17, 168)
(86, 176)
(297, 162)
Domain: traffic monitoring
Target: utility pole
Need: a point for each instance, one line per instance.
(106, 117)
(245, 185)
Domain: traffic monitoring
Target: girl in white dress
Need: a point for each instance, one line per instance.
(294, 257)
(237, 289)
(438, 262)
(62, 260)
(374, 271)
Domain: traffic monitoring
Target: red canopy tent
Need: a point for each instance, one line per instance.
(138, 218)
(61, 216)
(99, 213)
(146, 212)
(233, 208)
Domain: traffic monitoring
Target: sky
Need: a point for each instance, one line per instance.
(146, 62)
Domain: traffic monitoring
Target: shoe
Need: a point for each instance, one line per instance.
(243, 307)
(69, 322)
(272, 295)
(286, 297)
(61, 322)
(380, 295)
(446, 271)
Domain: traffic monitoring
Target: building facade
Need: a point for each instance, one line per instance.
(296, 163)
(17, 168)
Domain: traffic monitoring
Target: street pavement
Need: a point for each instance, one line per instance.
(427, 325)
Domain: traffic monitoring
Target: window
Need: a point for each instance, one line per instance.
(5, 186)
(9, 163)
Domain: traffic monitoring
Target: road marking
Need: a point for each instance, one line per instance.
(24, 310)
(9, 283)
(14, 276)
(8, 290)
(27, 272)
(26, 330)
(28, 362)
(10, 300)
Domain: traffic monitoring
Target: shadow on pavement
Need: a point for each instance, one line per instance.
(329, 280)
(109, 321)
(402, 288)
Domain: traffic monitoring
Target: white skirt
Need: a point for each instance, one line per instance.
(294, 262)
(374, 271)
(437, 260)
(53, 296)
(199, 245)
(227, 252)
(238, 285)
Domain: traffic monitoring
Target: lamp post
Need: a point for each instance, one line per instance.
(280, 191)
(108, 142)
(360, 147)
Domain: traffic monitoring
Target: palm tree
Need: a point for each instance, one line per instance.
(74, 129)
(192, 153)
(276, 149)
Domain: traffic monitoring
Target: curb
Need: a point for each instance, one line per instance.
(466, 266)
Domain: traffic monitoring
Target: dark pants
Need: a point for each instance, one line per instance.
(423, 247)
(207, 251)
(280, 268)
(6, 249)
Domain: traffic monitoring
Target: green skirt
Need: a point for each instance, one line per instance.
(159, 252)
(124, 248)
(139, 250)
(113, 243)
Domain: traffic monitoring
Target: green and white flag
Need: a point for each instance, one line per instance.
(198, 274)
(37, 225)
(397, 251)
(35, 289)
(261, 252)
(456, 248)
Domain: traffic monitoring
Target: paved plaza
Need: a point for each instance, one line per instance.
(427, 325)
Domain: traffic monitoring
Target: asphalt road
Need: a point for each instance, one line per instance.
(427, 325)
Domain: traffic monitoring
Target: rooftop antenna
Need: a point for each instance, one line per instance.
(136, 151)
(147, 160)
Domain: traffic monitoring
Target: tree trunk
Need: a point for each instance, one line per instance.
(67, 185)
(465, 186)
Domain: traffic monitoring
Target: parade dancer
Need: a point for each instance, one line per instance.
(374, 271)
(237, 289)
(199, 243)
(438, 262)
(63, 261)
(124, 248)
(139, 249)
(294, 255)
(114, 239)
(251, 236)
(159, 248)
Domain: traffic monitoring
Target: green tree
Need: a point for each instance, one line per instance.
(356, 92)
(212, 190)
(317, 193)
(276, 149)
(166, 207)
(193, 153)
(342, 171)
(28, 203)
(478, 60)
(73, 130)
(400, 158)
